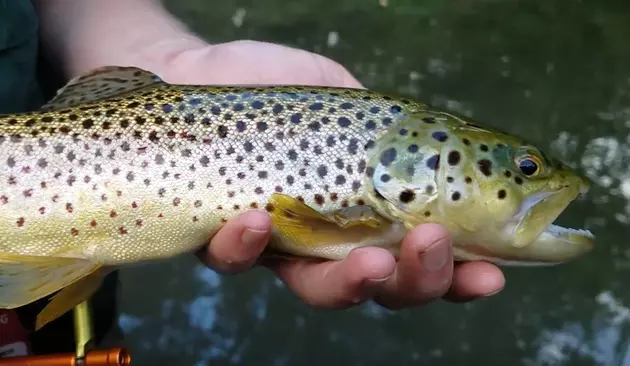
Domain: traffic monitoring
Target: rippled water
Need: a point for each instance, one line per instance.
(557, 73)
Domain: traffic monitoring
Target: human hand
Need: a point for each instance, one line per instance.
(425, 270)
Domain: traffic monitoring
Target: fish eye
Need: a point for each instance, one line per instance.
(528, 166)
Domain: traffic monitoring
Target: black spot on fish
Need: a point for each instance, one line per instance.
(277, 109)
(296, 118)
(385, 178)
(261, 126)
(413, 148)
(316, 106)
(428, 120)
(483, 147)
(441, 136)
(322, 171)
(407, 196)
(453, 158)
(343, 122)
(388, 156)
(346, 105)
(456, 196)
(501, 194)
(485, 166)
(433, 162)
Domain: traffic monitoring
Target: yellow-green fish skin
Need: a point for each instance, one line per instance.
(153, 172)
(496, 194)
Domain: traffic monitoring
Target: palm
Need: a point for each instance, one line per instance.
(425, 270)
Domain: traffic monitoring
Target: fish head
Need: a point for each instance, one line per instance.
(497, 194)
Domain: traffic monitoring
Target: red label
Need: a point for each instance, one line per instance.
(13, 336)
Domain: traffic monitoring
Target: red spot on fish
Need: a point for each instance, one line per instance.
(87, 179)
(55, 198)
(134, 204)
(138, 222)
(142, 150)
(96, 136)
(278, 189)
(118, 193)
(122, 230)
(20, 222)
(42, 184)
(28, 193)
(144, 164)
(93, 223)
(74, 232)
(195, 219)
(207, 141)
(177, 175)
(4, 200)
(42, 210)
(171, 134)
(160, 215)
(103, 197)
(176, 201)
(12, 180)
(69, 207)
(112, 213)
(224, 220)
(26, 169)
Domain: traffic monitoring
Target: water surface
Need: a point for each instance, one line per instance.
(556, 72)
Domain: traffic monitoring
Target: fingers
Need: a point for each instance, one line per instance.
(472, 280)
(237, 245)
(337, 284)
(424, 271)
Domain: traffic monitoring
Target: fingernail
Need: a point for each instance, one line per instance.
(493, 293)
(378, 280)
(253, 237)
(435, 257)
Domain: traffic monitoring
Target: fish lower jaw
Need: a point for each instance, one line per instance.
(559, 231)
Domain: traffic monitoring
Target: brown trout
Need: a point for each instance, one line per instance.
(121, 167)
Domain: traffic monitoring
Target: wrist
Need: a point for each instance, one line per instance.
(82, 35)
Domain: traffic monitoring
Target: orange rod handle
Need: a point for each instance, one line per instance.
(109, 357)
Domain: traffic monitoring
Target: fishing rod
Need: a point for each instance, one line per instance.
(84, 354)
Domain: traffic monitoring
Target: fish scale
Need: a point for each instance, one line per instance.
(175, 162)
(121, 167)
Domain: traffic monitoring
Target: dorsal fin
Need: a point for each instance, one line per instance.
(101, 83)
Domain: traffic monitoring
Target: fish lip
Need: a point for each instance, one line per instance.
(551, 229)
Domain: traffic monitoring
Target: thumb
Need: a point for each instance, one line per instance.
(237, 245)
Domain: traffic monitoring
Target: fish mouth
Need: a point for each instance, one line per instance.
(540, 239)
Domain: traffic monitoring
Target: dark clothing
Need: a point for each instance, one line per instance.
(27, 80)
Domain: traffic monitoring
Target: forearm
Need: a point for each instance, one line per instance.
(80, 35)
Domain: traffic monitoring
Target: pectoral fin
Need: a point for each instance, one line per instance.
(301, 230)
(101, 83)
(70, 296)
(25, 279)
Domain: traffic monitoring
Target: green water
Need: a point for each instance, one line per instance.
(556, 72)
